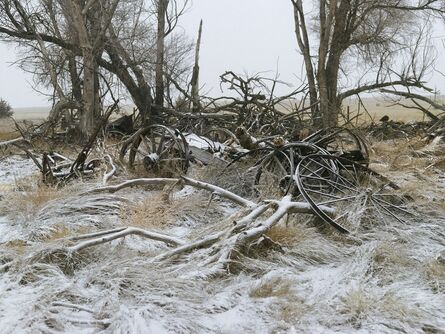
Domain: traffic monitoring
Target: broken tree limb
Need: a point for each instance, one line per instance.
(132, 183)
(201, 243)
(108, 175)
(219, 191)
(195, 75)
(96, 234)
(185, 180)
(127, 231)
(16, 141)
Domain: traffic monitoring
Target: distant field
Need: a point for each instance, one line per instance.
(378, 108)
(31, 114)
(375, 107)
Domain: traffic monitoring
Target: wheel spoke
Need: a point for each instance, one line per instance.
(393, 205)
(340, 199)
(389, 212)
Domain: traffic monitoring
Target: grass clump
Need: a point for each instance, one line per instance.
(271, 287)
(154, 211)
(29, 197)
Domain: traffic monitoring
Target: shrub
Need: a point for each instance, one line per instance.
(5, 109)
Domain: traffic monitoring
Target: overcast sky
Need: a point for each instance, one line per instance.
(239, 35)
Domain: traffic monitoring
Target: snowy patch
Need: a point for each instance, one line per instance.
(15, 167)
(203, 143)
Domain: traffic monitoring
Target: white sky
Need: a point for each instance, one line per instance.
(239, 35)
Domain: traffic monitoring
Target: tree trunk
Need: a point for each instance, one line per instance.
(195, 76)
(76, 87)
(87, 120)
(160, 48)
(304, 45)
(87, 117)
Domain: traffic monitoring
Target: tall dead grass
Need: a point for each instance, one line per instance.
(289, 234)
(154, 211)
(435, 272)
(29, 196)
(271, 287)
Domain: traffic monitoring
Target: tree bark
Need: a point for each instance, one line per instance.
(160, 50)
(303, 43)
(87, 117)
(195, 75)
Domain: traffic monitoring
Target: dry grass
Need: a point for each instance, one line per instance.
(357, 304)
(271, 287)
(30, 196)
(154, 211)
(19, 246)
(292, 311)
(395, 307)
(378, 107)
(435, 272)
(391, 254)
(7, 136)
(59, 232)
(398, 153)
(289, 235)
(7, 129)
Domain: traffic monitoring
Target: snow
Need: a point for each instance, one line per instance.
(203, 143)
(8, 231)
(153, 157)
(14, 167)
(378, 282)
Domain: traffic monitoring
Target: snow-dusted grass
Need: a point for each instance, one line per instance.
(389, 278)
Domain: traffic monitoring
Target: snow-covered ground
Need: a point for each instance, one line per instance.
(390, 278)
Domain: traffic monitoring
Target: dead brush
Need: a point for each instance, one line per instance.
(238, 178)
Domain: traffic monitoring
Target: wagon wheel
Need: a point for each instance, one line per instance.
(353, 190)
(342, 142)
(276, 169)
(218, 137)
(159, 148)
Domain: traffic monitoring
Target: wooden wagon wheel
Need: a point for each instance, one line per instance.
(342, 142)
(355, 191)
(276, 169)
(157, 148)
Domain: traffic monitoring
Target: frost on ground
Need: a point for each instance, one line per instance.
(389, 278)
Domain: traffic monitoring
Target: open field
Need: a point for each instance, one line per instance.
(31, 113)
(377, 108)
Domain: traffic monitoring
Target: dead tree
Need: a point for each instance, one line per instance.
(372, 31)
(195, 76)
(160, 50)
